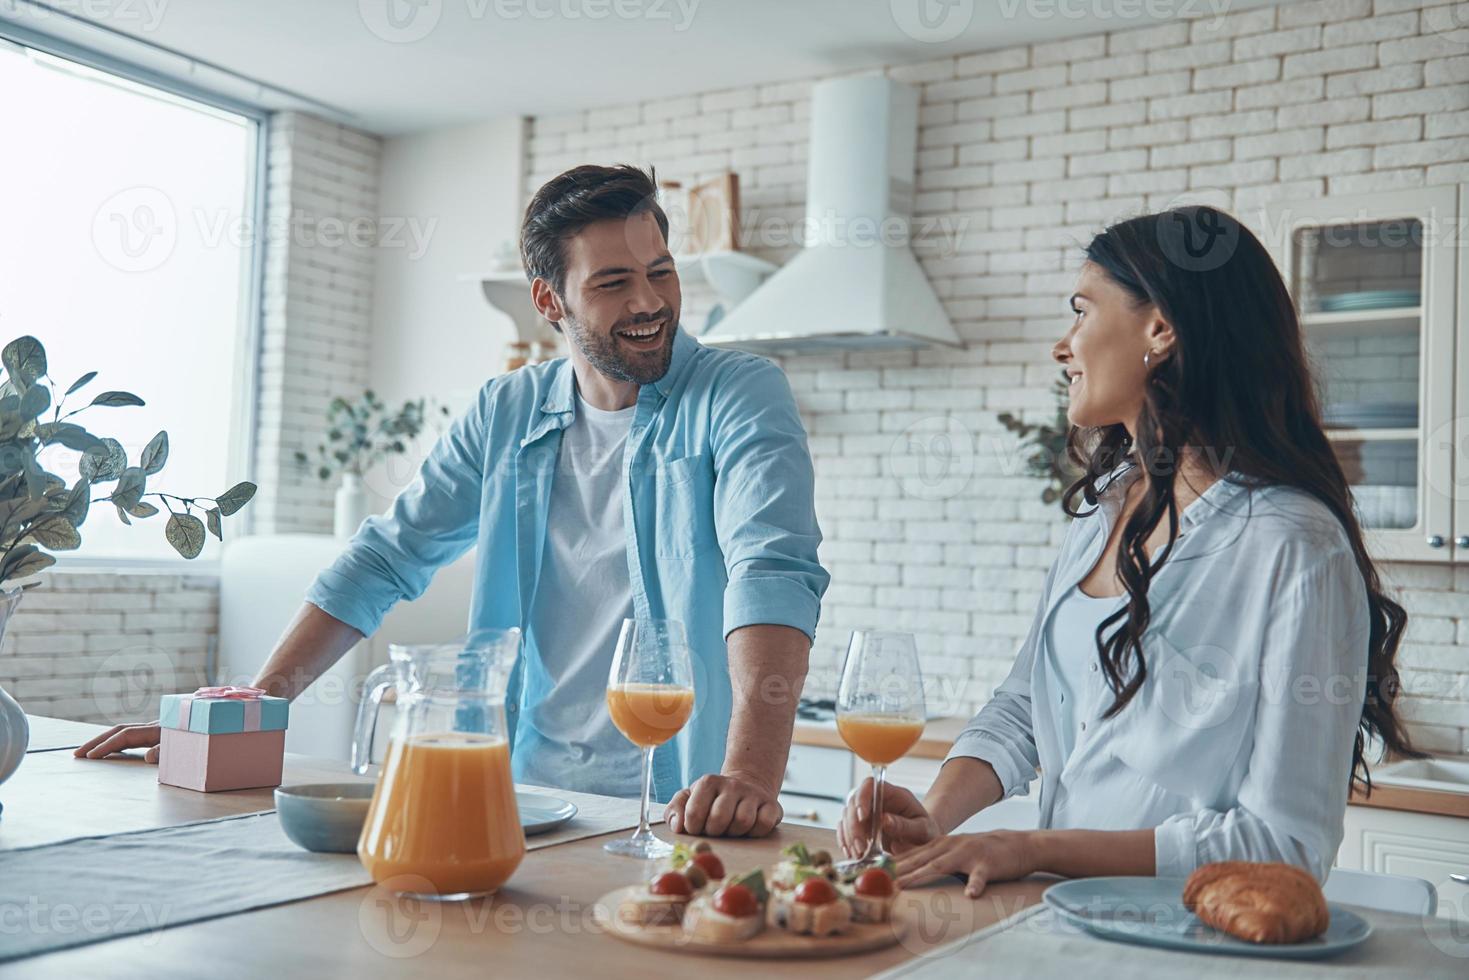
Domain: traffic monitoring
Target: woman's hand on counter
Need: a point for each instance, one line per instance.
(905, 822)
(998, 855)
(1006, 855)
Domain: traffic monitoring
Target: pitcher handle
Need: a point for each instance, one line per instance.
(374, 687)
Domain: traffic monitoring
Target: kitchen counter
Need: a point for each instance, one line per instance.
(940, 733)
(938, 736)
(1414, 800)
(538, 924)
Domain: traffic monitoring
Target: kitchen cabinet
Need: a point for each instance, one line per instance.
(811, 811)
(1380, 281)
(1422, 845)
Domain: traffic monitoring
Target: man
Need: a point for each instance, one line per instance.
(645, 476)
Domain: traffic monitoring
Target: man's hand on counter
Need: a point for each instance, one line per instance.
(767, 665)
(121, 737)
(728, 805)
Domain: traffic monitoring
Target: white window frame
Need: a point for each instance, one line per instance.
(244, 412)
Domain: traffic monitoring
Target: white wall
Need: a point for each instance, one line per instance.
(317, 307)
(1031, 147)
(454, 193)
(1027, 151)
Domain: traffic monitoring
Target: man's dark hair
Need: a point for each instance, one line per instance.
(582, 196)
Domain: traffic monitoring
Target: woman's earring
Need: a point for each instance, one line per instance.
(1147, 355)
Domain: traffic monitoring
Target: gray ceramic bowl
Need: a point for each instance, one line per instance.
(324, 816)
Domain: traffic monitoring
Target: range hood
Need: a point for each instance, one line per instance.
(856, 285)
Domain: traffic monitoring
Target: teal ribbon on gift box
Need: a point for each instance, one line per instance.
(223, 716)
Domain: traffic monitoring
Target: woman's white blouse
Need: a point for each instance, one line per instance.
(1070, 649)
(1238, 746)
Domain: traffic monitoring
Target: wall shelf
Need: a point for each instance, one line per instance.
(1372, 435)
(1360, 323)
(731, 275)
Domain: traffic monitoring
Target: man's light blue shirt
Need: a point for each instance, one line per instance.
(717, 508)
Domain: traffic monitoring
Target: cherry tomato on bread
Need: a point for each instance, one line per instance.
(815, 891)
(710, 864)
(874, 883)
(671, 883)
(737, 901)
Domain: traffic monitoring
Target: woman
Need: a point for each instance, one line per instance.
(1212, 646)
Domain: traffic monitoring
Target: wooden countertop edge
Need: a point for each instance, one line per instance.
(938, 737)
(1414, 800)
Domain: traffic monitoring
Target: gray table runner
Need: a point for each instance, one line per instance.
(1038, 943)
(82, 891)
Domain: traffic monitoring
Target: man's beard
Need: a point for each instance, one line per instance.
(613, 359)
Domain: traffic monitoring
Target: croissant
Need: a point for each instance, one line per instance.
(1258, 902)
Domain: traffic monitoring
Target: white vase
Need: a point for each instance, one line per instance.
(15, 731)
(351, 506)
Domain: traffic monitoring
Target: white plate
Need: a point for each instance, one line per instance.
(541, 814)
(1150, 912)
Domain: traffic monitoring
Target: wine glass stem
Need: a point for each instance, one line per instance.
(874, 840)
(643, 830)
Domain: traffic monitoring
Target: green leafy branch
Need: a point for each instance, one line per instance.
(1044, 446)
(363, 433)
(39, 511)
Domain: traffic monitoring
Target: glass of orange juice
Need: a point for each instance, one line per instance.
(880, 713)
(443, 822)
(650, 695)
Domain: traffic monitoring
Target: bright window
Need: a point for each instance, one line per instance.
(126, 248)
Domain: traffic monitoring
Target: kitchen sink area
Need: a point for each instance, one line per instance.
(1441, 775)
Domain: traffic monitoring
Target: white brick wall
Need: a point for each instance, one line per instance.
(1029, 150)
(1026, 150)
(318, 307)
(103, 646)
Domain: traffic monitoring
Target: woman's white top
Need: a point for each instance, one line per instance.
(1070, 649)
(1238, 746)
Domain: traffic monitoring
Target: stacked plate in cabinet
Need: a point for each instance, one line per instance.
(1371, 415)
(1369, 299)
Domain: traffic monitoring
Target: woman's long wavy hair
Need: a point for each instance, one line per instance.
(1237, 378)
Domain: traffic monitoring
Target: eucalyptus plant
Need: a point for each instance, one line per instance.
(1044, 446)
(39, 513)
(363, 433)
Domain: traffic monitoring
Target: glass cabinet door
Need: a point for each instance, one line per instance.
(1373, 279)
(1457, 433)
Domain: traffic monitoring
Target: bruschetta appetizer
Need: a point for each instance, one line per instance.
(699, 862)
(871, 895)
(733, 914)
(660, 902)
(814, 908)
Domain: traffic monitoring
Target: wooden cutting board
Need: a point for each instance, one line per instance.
(769, 943)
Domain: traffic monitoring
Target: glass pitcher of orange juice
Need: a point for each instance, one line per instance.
(443, 822)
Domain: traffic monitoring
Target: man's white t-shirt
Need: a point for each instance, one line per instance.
(581, 599)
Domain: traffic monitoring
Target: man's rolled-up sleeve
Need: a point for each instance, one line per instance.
(394, 556)
(764, 503)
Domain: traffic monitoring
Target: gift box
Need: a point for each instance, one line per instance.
(222, 738)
